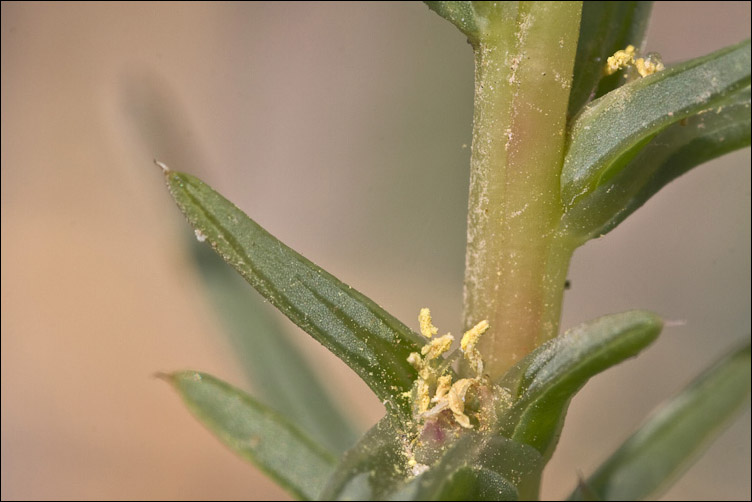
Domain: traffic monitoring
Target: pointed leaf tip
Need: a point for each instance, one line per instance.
(366, 337)
(162, 166)
(165, 377)
(545, 381)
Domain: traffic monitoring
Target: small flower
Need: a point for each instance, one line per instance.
(626, 59)
(446, 395)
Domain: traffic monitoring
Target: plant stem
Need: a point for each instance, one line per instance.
(516, 262)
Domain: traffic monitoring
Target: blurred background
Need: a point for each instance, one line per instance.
(344, 129)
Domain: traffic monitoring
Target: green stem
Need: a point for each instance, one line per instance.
(516, 261)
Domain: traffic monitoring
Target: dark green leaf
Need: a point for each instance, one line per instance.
(544, 382)
(673, 152)
(479, 467)
(673, 437)
(478, 19)
(606, 133)
(605, 28)
(471, 466)
(366, 337)
(476, 483)
(373, 468)
(256, 433)
(280, 375)
(459, 13)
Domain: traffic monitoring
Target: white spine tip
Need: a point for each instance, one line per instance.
(162, 166)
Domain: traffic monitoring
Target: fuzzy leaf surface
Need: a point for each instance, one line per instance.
(476, 483)
(613, 129)
(472, 466)
(372, 468)
(675, 435)
(544, 382)
(479, 467)
(256, 433)
(682, 146)
(366, 337)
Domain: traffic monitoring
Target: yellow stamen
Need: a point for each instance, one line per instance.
(422, 397)
(415, 360)
(426, 328)
(456, 399)
(424, 370)
(469, 340)
(620, 59)
(437, 347)
(648, 66)
(442, 387)
(626, 59)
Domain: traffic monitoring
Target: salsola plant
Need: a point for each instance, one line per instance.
(575, 127)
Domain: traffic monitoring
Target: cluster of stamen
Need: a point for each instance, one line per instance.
(447, 394)
(626, 59)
